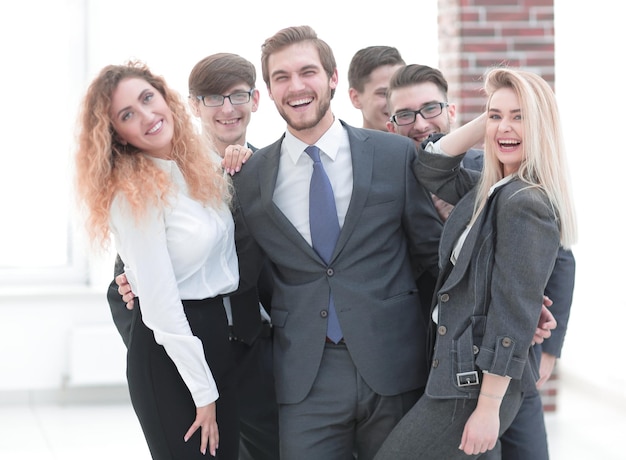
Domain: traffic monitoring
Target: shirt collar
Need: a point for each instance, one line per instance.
(329, 143)
(500, 183)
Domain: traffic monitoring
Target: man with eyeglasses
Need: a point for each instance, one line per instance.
(417, 98)
(419, 107)
(222, 95)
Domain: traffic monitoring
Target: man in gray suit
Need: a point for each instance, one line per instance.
(337, 397)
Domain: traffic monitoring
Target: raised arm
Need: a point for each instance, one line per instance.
(464, 138)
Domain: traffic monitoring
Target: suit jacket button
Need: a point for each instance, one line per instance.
(475, 349)
(330, 272)
(435, 363)
(441, 330)
(444, 297)
(506, 342)
(324, 313)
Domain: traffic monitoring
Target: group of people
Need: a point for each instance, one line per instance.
(304, 300)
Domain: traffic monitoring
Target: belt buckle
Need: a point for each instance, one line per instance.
(464, 379)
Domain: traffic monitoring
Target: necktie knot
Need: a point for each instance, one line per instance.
(314, 152)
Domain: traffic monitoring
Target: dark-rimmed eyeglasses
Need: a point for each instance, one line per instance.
(216, 100)
(407, 117)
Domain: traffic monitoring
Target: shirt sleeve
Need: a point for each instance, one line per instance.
(143, 247)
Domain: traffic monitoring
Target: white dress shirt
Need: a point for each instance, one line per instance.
(184, 251)
(291, 194)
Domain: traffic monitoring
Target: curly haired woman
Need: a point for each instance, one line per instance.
(146, 176)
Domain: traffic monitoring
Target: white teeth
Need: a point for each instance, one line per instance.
(229, 122)
(156, 127)
(300, 101)
(509, 142)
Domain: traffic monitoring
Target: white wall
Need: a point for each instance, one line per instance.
(36, 323)
(173, 47)
(590, 90)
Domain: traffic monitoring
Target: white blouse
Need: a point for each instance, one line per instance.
(184, 251)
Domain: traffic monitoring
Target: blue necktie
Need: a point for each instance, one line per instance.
(324, 227)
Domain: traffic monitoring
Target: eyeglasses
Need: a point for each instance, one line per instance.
(216, 100)
(407, 117)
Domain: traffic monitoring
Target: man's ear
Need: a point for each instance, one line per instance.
(452, 113)
(256, 95)
(354, 98)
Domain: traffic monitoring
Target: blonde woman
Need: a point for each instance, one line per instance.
(145, 176)
(497, 251)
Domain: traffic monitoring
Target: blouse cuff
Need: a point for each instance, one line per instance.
(435, 147)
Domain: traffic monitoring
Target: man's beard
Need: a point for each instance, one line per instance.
(320, 111)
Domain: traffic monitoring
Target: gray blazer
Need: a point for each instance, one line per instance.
(389, 217)
(490, 300)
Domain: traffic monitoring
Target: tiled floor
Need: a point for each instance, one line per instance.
(582, 428)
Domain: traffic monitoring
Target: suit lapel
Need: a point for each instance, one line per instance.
(267, 172)
(447, 246)
(362, 164)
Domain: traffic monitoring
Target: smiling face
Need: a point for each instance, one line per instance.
(301, 90)
(416, 97)
(227, 123)
(372, 101)
(505, 129)
(142, 118)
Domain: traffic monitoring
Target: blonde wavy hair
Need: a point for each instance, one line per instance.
(544, 162)
(105, 167)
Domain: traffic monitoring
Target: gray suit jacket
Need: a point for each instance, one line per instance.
(389, 217)
(490, 300)
(560, 288)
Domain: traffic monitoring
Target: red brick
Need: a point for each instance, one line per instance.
(535, 3)
(478, 31)
(525, 45)
(495, 3)
(469, 16)
(547, 15)
(549, 407)
(546, 60)
(490, 46)
(507, 15)
(517, 31)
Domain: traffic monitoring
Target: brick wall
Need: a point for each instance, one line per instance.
(475, 35)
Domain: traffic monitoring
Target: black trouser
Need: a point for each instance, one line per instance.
(161, 399)
(258, 410)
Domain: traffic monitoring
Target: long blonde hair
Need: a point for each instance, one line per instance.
(105, 166)
(544, 163)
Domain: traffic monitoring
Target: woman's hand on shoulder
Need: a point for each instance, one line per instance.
(235, 157)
